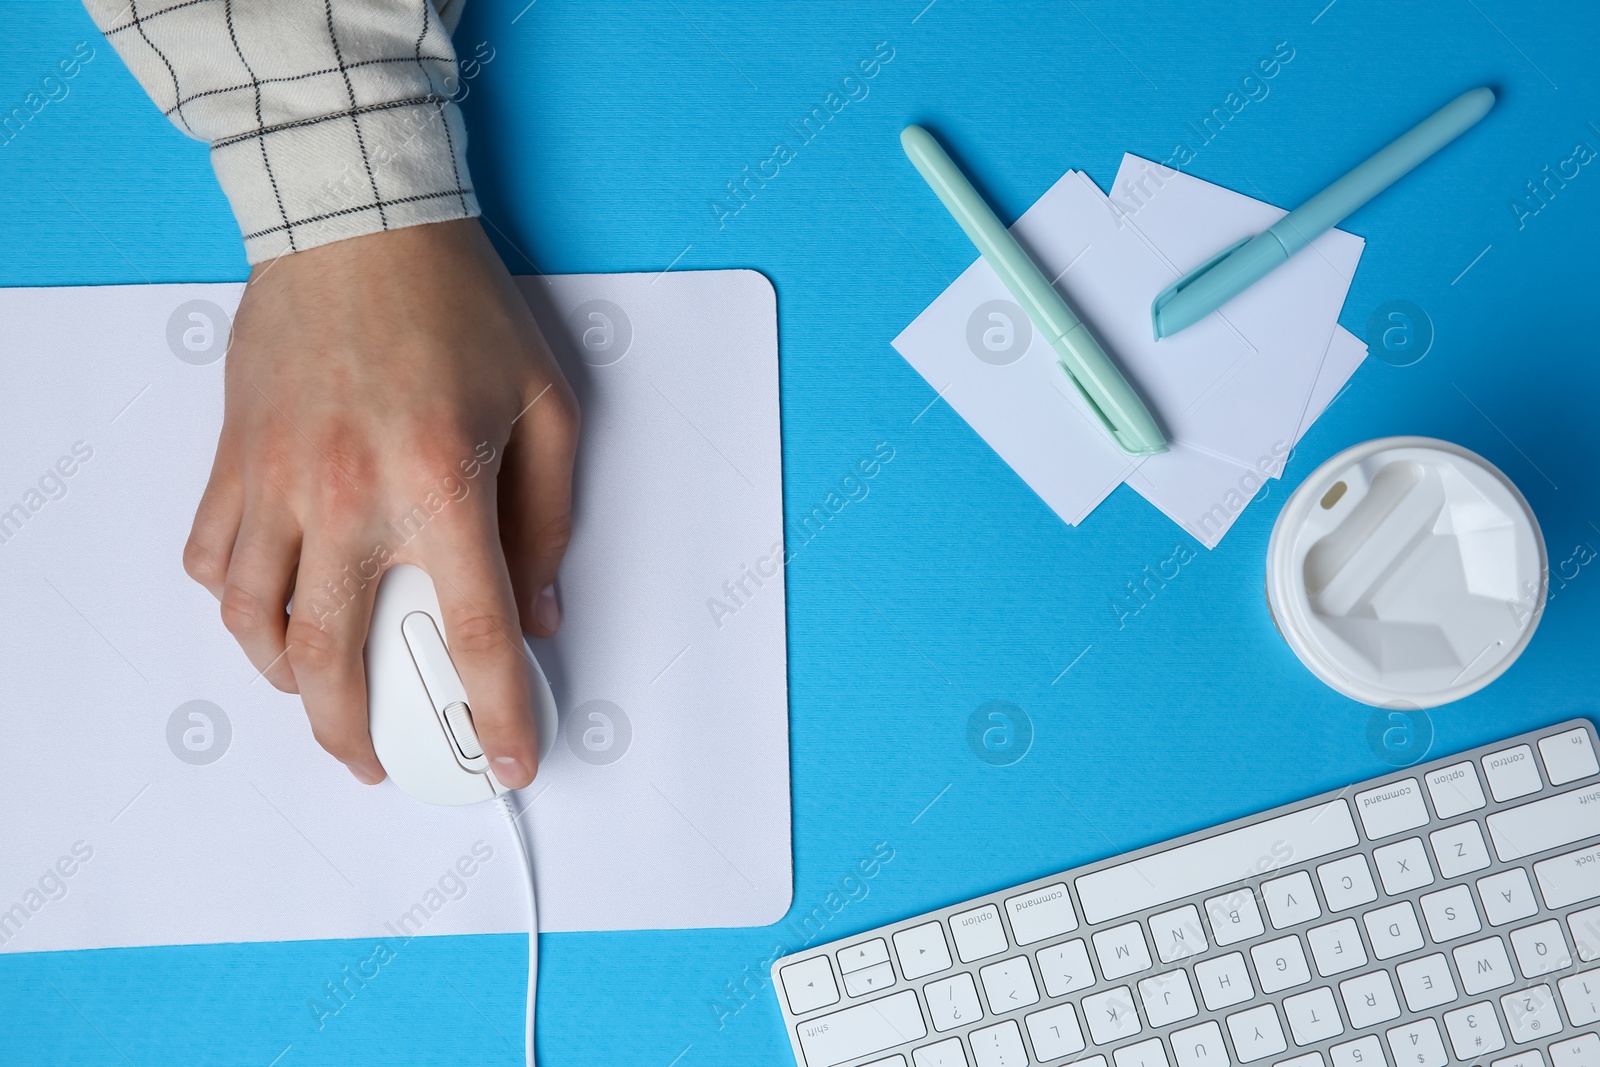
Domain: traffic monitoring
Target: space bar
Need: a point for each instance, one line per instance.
(1181, 872)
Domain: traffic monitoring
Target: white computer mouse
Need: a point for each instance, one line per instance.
(417, 708)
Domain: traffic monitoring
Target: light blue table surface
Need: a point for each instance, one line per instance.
(601, 135)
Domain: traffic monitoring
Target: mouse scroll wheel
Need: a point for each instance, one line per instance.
(459, 719)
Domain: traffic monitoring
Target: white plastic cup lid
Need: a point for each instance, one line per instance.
(1406, 571)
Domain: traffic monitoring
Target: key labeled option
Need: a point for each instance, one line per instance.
(978, 933)
(1455, 790)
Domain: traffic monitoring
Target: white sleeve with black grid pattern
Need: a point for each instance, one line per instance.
(327, 119)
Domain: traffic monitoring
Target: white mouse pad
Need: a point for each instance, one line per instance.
(156, 791)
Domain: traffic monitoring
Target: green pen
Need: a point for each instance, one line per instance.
(1080, 356)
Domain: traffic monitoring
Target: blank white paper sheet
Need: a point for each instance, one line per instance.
(130, 821)
(1234, 392)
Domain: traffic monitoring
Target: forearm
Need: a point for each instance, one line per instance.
(326, 119)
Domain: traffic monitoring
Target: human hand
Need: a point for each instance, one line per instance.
(389, 399)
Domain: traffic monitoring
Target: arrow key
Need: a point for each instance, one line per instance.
(809, 985)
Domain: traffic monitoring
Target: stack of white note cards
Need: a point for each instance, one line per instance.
(1234, 392)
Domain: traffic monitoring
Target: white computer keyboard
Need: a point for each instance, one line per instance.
(1432, 915)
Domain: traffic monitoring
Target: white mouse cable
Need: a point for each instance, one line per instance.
(511, 815)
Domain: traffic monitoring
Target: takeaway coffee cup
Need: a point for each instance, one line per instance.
(1406, 572)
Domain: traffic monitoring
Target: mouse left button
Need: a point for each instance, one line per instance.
(433, 660)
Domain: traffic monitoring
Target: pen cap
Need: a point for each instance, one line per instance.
(1406, 571)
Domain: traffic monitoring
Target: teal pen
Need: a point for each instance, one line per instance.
(1079, 355)
(1233, 270)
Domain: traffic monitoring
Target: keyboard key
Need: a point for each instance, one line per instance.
(1362, 1052)
(1201, 866)
(1312, 1017)
(1403, 866)
(862, 1030)
(1110, 1015)
(1394, 929)
(1065, 967)
(1585, 927)
(1581, 1051)
(1055, 1032)
(866, 954)
(1290, 900)
(1347, 883)
(1540, 949)
(1009, 985)
(1483, 965)
(1459, 849)
(978, 933)
(1450, 914)
(1564, 819)
(1001, 1046)
(1336, 947)
(809, 985)
(1369, 999)
(948, 1053)
(1144, 1054)
(1178, 933)
(1392, 809)
(1571, 878)
(1040, 914)
(1224, 981)
(1426, 983)
(1234, 917)
(1200, 1046)
(1417, 1044)
(1256, 1033)
(1530, 1058)
(1168, 998)
(1568, 757)
(1310, 1059)
(1507, 896)
(1280, 964)
(952, 1002)
(1474, 1031)
(1122, 951)
(872, 979)
(1455, 790)
(922, 950)
(896, 1060)
(1581, 994)
(1512, 773)
(1531, 1014)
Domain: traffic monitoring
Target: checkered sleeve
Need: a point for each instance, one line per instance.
(327, 119)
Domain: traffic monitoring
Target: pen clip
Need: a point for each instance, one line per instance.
(1094, 409)
(1166, 295)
